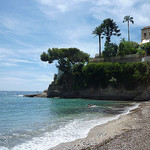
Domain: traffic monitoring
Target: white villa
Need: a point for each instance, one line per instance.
(145, 35)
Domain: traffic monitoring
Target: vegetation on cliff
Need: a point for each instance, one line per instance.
(102, 75)
(66, 57)
(75, 73)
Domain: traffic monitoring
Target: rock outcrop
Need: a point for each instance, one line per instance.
(109, 93)
(43, 94)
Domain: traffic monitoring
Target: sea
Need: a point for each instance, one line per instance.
(42, 123)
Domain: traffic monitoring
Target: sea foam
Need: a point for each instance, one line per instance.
(74, 130)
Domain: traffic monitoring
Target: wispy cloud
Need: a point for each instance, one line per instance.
(52, 9)
(21, 80)
(118, 9)
(15, 25)
(8, 64)
(7, 52)
(102, 9)
(20, 61)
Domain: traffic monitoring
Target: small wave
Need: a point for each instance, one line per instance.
(70, 132)
(20, 95)
(128, 109)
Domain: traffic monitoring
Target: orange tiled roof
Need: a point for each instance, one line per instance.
(147, 27)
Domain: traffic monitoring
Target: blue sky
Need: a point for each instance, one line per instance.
(29, 27)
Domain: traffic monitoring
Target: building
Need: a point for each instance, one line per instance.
(145, 35)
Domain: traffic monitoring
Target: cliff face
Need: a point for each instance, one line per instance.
(103, 81)
(109, 93)
(139, 94)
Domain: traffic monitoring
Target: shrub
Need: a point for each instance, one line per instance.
(146, 48)
(110, 50)
(127, 74)
(77, 82)
(141, 52)
(127, 47)
(95, 75)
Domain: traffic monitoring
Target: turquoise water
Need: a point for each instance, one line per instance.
(42, 123)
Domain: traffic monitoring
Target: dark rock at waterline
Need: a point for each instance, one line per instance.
(43, 94)
(138, 94)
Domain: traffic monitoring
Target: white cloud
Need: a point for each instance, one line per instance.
(25, 80)
(19, 26)
(79, 32)
(21, 84)
(117, 9)
(52, 8)
(8, 64)
(103, 3)
(7, 52)
(20, 61)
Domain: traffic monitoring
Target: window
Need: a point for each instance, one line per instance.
(144, 34)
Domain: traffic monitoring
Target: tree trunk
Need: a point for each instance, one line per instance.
(128, 32)
(99, 45)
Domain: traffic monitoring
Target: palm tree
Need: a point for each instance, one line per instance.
(98, 32)
(128, 19)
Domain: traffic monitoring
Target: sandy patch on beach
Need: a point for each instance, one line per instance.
(131, 131)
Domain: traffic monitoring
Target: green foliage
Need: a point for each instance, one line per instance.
(145, 47)
(110, 28)
(95, 75)
(141, 52)
(128, 19)
(98, 32)
(101, 75)
(78, 77)
(127, 47)
(110, 50)
(66, 57)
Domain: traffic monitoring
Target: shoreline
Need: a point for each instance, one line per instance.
(104, 136)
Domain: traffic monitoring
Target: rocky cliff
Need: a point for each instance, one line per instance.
(139, 94)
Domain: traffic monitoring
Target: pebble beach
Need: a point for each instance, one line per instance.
(129, 132)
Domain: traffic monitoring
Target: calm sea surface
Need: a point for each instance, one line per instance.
(42, 123)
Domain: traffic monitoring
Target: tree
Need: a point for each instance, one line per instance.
(66, 57)
(98, 32)
(109, 29)
(128, 19)
(110, 50)
(146, 48)
(127, 47)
